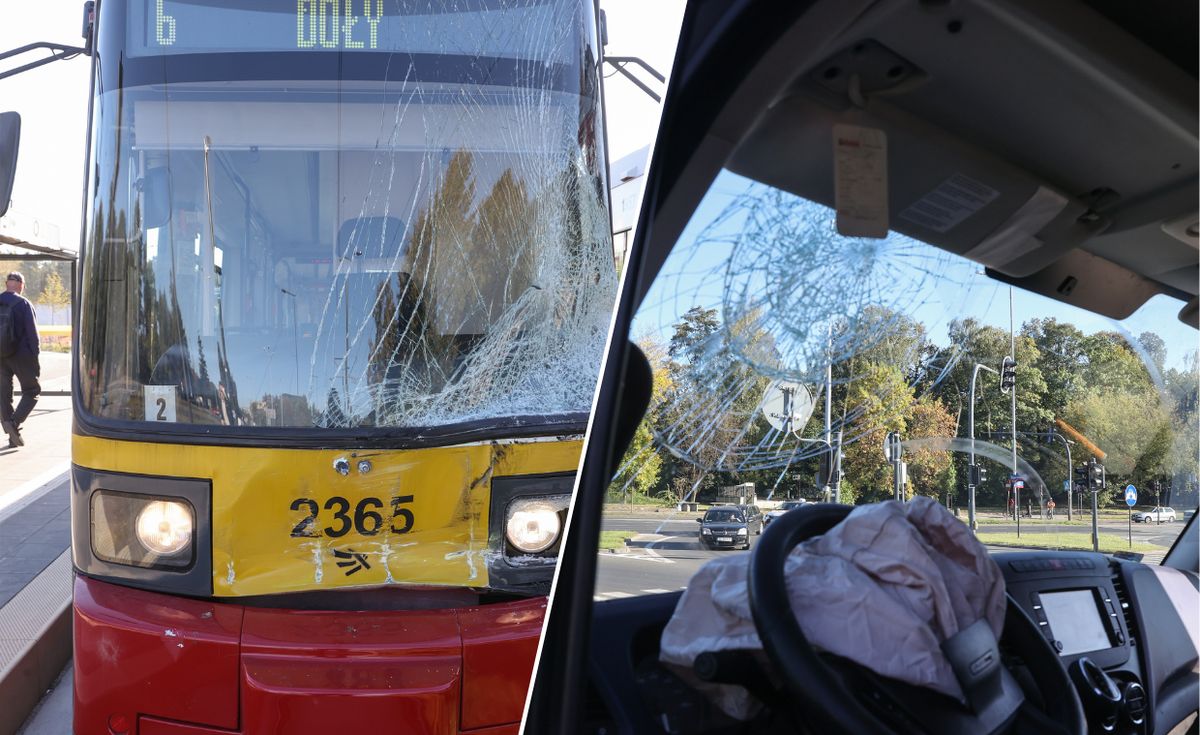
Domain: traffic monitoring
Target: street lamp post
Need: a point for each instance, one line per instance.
(971, 429)
(1050, 432)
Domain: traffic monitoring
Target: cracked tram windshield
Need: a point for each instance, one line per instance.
(406, 233)
(792, 365)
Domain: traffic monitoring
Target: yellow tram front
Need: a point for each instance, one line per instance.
(345, 284)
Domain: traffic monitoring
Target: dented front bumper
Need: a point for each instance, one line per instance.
(162, 664)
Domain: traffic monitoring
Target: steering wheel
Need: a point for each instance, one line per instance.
(831, 705)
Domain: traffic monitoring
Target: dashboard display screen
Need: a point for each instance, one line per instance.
(1074, 618)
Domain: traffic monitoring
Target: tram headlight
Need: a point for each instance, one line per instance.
(142, 530)
(533, 524)
(527, 518)
(165, 526)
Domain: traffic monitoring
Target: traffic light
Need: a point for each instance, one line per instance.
(976, 474)
(1008, 375)
(1098, 476)
(824, 471)
(1081, 477)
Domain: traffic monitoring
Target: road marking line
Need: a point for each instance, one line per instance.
(638, 557)
(655, 591)
(618, 595)
(650, 546)
(646, 557)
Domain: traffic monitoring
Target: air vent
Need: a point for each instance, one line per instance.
(1123, 600)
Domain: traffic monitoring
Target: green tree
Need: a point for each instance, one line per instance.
(693, 331)
(53, 294)
(1155, 348)
(1062, 351)
(1131, 427)
(1112, 365)
(639, 471)
(930, 472)
(972, 343)
(882, 401)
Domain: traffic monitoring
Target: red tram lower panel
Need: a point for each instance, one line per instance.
(154, 664)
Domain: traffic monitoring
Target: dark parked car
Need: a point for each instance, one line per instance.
(729, 526)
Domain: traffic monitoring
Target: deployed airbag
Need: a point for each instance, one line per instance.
(884, 588)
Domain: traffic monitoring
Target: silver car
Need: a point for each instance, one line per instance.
(1159, 514)
(784, 507)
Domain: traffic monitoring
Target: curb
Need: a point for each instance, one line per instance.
(35, 641)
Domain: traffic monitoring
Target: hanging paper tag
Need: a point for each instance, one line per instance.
(860, 181)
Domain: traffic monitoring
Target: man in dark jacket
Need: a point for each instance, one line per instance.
(23, 363)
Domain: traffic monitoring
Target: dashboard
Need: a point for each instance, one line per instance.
(1126, 633)
(1130, 619)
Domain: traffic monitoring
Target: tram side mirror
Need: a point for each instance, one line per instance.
(10, 136)
(156, 198)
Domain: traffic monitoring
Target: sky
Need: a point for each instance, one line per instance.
(53, 99)
(53, 103)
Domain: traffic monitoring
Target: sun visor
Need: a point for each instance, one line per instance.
(941, 189)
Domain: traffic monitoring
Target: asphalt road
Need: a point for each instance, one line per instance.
(667, 563)
(662, 565)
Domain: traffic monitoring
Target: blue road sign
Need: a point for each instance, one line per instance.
(1066, 484)
(1130, 495)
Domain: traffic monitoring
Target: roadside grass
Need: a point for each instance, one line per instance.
(638, 501)
(614, 539)
(1059, 519)
(995, 515)
(1109, 543)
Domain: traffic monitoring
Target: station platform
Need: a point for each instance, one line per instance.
(35, 564)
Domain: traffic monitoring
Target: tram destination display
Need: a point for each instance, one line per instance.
(410, 26)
